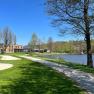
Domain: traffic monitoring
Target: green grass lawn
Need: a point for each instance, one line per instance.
(16, 53)
(27, 77)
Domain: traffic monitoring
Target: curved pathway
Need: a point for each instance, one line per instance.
(85, 80)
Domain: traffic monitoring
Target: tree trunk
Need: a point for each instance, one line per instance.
(87, 34)
(89, 52)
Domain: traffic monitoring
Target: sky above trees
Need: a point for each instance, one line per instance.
(24, 17)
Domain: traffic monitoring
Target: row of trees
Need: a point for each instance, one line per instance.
(71, 47)
(7, 37)
(75, 47)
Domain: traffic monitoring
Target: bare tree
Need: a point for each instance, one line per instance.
(14, 39)
(39, 43)
(8, 37)
(78, 15)
(1, 37)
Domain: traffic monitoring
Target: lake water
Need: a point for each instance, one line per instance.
(80, 59)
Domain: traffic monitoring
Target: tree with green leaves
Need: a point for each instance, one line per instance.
(50, 44)
(33, 41)
(78, 15)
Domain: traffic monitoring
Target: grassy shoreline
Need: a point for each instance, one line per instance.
(80, 67)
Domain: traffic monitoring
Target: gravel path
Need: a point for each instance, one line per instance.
(4, 66)
(7, 57)
(85, 80)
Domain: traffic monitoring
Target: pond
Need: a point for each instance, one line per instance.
(80, 59)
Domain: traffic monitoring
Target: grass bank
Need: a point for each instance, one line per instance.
(27, 77)
(80, 67)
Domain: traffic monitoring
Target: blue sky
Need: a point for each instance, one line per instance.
(25, 17)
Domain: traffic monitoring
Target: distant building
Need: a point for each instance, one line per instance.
(14, 48)
(18, 48)
(11, 48)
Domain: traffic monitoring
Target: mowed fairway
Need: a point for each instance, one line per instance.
(27, 77)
